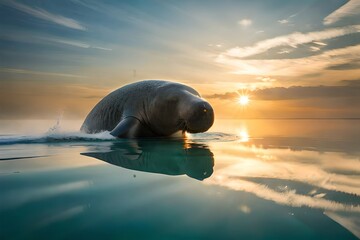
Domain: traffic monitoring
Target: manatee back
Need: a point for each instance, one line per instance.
(126, 100)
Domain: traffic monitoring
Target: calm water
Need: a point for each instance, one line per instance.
(254, 179)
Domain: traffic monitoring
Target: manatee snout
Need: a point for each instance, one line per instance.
(201, 117)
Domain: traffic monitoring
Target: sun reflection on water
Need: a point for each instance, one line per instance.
(243, 135)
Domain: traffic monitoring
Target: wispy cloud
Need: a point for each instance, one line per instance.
(266, 79)
(285, 51)
(101, 48)
(45, 15)
(292, 40)
(245, 22)
(295, 92)
(320, 43)
(287, 20)
(352, 7)
(314, 49)
(23, 36)
(283, 21)
(24, 71)
(76, 43)
(291, 67)
(351, 65)
(67, 42)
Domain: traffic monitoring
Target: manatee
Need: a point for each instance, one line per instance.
(150, 108)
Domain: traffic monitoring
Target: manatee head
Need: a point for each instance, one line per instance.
(180, 107)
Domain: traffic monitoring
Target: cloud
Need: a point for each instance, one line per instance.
(351, 82)
(101, 48)
(23, 36)
(296, 92)
(218, 45)
(76, 43)
(350, 8)
(320, 43)
(67, 42)
(283, 21)
(45, 15)
(345, 66)
(300, 92)
(266, 79)
(314, 49)
(290, 66)
(23, 71)
(292, 40)
(285, 51)
(245, 22)
(287, 20)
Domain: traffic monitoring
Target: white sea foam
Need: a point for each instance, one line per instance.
(56, 137)
(55, 133)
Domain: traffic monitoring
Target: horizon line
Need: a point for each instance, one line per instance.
(223, 118)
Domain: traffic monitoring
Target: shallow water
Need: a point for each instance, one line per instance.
(253, 179)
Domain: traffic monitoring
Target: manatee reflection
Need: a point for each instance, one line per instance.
(170, 157)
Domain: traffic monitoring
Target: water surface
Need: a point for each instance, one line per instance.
(253, 179)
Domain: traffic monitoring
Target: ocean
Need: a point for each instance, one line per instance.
(243, 179)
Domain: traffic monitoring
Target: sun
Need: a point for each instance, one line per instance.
(244, 100)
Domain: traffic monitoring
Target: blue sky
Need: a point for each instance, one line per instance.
(212, 45)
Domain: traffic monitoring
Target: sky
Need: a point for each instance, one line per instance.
(293, 59)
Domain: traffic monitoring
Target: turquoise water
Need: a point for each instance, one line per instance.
(254, 179)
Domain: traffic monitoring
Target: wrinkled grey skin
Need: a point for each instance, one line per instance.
(150, 108)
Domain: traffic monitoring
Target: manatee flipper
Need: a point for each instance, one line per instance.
(130, 127)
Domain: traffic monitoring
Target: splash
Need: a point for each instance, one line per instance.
(57, 127)
(55, 134)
